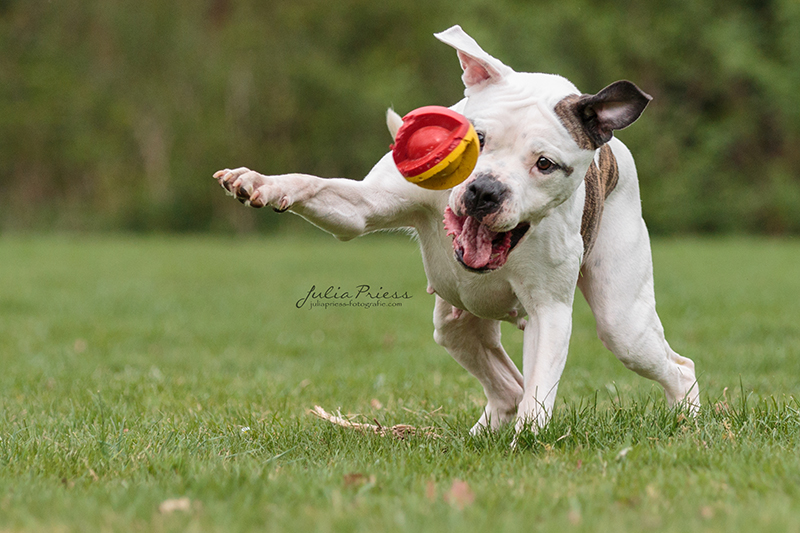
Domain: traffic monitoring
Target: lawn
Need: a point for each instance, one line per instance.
(163, 384)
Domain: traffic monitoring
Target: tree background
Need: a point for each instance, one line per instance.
(115, 113)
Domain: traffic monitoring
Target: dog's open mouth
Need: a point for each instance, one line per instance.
(477, 247)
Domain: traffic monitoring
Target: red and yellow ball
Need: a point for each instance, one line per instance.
(435, 148)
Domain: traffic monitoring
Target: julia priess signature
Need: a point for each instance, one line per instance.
(362, 296)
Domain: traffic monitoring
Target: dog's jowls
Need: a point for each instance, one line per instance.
(553, 202)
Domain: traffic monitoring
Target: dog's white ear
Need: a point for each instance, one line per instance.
(478, 65)
(393, 122)
(598, 115)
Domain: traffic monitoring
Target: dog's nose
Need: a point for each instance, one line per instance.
(485, 195)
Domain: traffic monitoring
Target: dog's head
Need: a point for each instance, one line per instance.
(538, 136)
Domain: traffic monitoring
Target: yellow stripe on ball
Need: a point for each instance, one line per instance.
(454, 168)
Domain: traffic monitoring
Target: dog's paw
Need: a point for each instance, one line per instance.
(494, 417)
(532, 415)
(252, 189)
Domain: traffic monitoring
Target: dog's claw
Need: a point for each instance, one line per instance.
(283, 206)
(253, 200)
(222, 177)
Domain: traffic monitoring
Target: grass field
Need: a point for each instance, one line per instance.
(163, 384)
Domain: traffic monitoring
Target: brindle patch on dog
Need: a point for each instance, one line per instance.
(599, 181)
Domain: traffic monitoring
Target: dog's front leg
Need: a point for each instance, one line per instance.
(545, 345)
(345, 208)
(475, 343)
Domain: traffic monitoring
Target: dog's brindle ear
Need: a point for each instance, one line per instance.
(598, 115)
(478, 66)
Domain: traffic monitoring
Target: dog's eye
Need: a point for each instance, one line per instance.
(545, 166)
(481, 138)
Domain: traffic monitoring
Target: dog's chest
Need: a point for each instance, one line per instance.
(485, 295)
(486, 298)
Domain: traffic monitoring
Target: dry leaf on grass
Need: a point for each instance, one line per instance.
(430, 490)
(177, 504)
(356, 479)
(459, 495)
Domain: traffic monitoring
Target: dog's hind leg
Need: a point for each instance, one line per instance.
(475, 344)
(617, 281)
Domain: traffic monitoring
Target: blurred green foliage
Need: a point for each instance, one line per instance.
(115, 113)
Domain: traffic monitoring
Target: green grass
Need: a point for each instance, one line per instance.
(130, 369)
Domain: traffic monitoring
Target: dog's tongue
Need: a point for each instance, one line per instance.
(472, 237)
(477, 242)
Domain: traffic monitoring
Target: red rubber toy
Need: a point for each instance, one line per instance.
(435, 148)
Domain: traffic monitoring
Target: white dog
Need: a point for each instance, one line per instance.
(553, 202)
